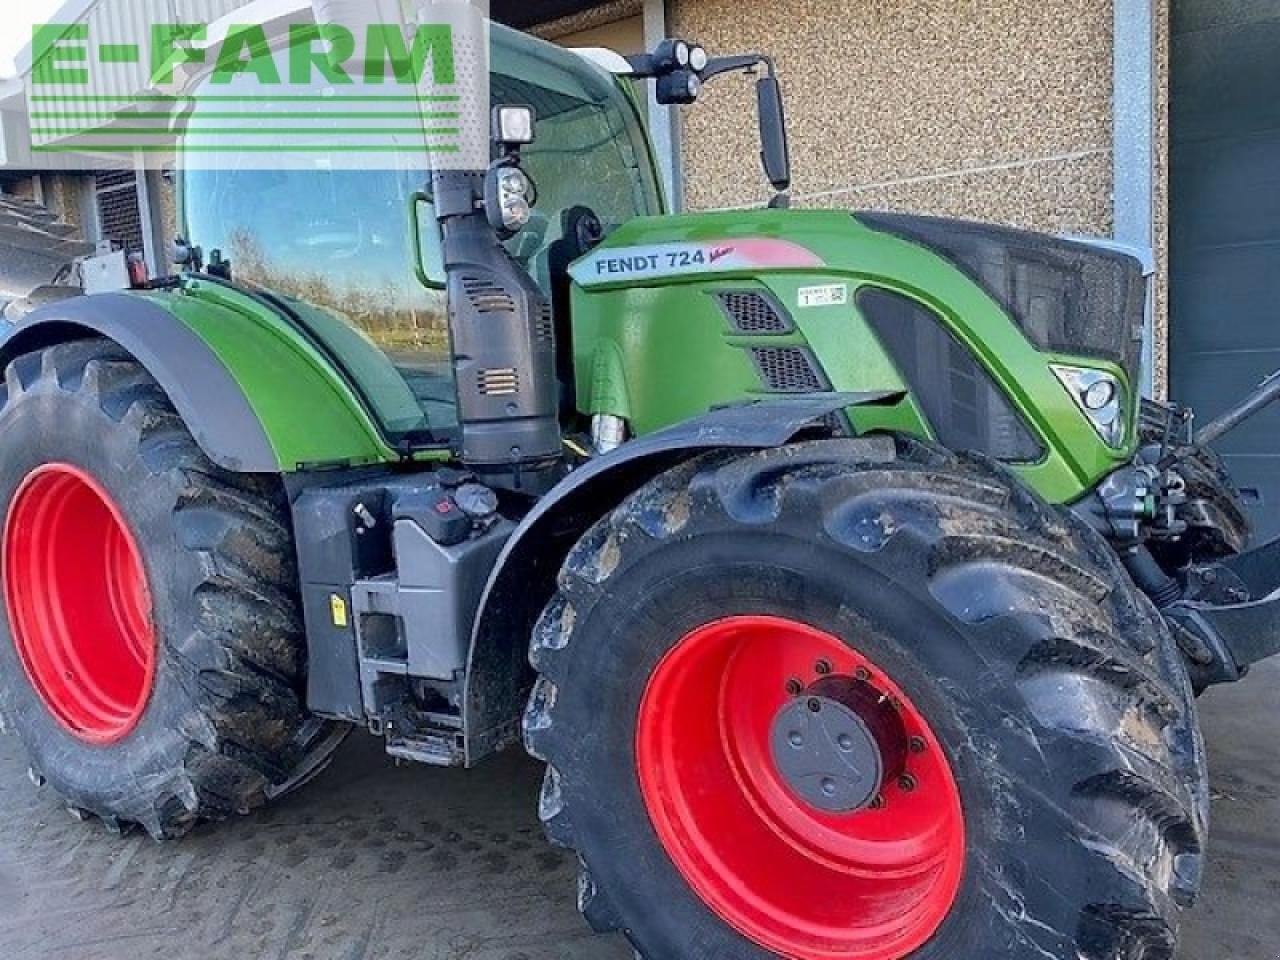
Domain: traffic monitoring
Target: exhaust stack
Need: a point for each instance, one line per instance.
(504, 355)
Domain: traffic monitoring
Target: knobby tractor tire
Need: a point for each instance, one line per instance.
(1045, 694)
(190, 710)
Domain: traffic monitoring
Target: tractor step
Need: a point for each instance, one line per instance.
(392, 574)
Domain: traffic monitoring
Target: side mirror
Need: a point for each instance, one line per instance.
(775, 152)
(428, 252)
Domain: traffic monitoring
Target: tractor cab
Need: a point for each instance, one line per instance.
(356, 254)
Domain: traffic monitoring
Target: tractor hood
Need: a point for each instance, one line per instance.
(673, 316)
(1067, 296)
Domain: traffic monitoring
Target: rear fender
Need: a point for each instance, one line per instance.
(257, 392)
(206, 396)
(523, 579)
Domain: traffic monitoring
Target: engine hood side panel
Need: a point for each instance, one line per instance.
(645, 308)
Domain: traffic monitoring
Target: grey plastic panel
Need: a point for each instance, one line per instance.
(433, 598)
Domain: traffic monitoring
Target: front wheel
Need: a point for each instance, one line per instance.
(860, 699)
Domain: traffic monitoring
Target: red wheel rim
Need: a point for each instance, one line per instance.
(875, 884)
(78, 602)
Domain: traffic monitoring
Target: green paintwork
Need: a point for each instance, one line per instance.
(310, 413)
(661, 351)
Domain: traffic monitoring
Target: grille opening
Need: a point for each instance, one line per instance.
(838, 423)
(789, 370)
(487, 296)
(499, 381)
(962, 403)
(752, 312)
(544, 328)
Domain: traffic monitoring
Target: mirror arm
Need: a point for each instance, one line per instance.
(774, 149)
(746, 63)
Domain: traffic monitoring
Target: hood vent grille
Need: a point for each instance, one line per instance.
(499, 382)
(487, 296)
(544, 330)
(789, 370)
(754, 313)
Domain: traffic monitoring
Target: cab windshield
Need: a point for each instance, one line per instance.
(351, 252)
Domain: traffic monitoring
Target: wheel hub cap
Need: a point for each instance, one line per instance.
(835, 744)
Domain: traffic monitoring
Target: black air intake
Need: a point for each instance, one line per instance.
(1066, 296)
(753, 313)
(963, 405)
(789, 370)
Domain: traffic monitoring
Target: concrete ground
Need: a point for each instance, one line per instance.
(374, 862)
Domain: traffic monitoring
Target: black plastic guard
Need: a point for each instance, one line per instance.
(498, 674)
(1234, 636)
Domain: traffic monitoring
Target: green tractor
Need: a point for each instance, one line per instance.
(831, 561)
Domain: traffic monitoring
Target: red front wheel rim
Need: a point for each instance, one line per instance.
(79, 604)
(874, 883)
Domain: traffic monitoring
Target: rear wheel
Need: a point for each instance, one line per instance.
(861, 699)
(154, 661)
(79, 603)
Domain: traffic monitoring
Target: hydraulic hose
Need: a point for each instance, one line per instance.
(1162, 589)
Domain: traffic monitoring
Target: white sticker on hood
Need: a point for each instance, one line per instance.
(827, 295)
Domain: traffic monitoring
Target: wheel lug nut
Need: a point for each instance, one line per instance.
(815, 705)
(829, 787)
(917, 745)
(794, 687)
(822, 668)
(907, 783)
(796, 739)
(878, 803)
(845, 742)
(863, 674)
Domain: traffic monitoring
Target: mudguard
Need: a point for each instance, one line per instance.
(522, 581)
(206, 396)
(257, 391)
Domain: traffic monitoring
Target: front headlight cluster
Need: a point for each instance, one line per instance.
(515, 193)
(509, 197)
(1101, 397)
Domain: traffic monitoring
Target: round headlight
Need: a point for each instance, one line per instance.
(1099, 394)
(695, 86)
(516, 212)
(513, 182)
(681, 53)
(698, 58)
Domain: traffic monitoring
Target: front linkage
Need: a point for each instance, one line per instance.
(1180, 527)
